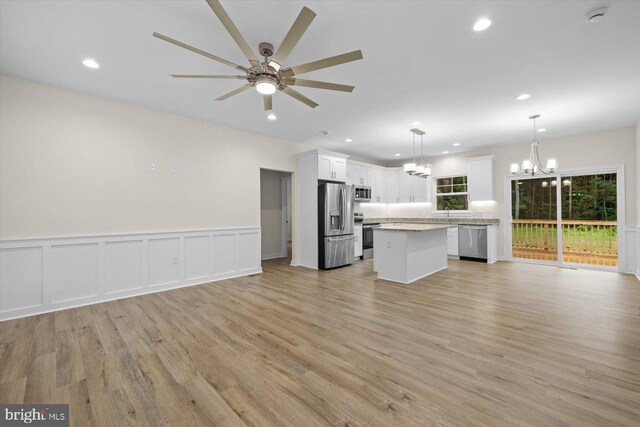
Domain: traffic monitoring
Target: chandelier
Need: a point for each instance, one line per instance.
(422, 169)
(532, 165)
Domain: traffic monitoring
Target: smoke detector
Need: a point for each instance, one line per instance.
(596, 15)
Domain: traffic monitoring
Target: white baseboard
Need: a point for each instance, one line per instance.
(273, 256)
(43, 275)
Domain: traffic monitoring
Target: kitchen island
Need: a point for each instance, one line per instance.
(405, 253)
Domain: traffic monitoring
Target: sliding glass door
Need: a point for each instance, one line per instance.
(580, 229)
(589, 220)
(534, 213)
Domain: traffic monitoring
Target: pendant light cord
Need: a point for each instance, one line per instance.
(414, 148)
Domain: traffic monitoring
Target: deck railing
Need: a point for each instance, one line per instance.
(578, 237)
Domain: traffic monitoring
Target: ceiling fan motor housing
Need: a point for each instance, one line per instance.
(265, 49)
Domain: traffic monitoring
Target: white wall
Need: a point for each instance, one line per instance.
(636, 183)
(607, 148)
(271, 213)
(74, 164)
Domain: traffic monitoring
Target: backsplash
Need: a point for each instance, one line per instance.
(425, 210)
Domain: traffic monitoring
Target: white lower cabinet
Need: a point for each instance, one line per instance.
(452, 242)
(357, 242)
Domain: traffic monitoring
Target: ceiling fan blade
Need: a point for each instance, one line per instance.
(205, 76)
(300, 97)
(233, 30)
(323, 63)
(292, 38)
(235, 92)
(319, 85)
(268, 102)
(198, 51)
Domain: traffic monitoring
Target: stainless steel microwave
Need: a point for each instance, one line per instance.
(363, 193)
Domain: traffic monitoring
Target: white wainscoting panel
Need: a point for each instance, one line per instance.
(23, 268)
(164, 268)
(124, 266)
(248, 250)
(632, 243)
(42, 275)
(196, 257)
(224, 254)
(74, 271)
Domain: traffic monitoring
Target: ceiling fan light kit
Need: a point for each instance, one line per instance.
(270, 76)
(532, 165)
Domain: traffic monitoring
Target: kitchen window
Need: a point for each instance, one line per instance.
(452, 194)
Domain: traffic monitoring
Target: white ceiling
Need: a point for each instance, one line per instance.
(422, 62)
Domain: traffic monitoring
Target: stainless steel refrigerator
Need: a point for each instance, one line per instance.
(335, 225)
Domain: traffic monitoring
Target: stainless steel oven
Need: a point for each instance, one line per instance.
(367, 239)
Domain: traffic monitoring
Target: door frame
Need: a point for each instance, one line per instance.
(619, 170)
(284, 201)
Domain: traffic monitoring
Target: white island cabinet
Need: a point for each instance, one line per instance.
(405, 253)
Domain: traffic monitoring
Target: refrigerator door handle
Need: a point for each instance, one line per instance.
(342, 208)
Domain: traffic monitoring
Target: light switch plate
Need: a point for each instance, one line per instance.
(174, 169)
(152, 167)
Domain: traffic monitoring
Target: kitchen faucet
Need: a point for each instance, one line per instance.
(447, 209)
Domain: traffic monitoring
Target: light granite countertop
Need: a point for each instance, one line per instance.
(452, 221)
(414, 227)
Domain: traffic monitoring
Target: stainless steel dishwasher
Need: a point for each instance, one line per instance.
(472, 242)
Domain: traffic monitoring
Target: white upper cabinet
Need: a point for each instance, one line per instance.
(419, 187)
(356, 174)
(332, 168)
(371, 176)
(391, 186)
(405, 187)
(339, 167)
(324, 167)
(480, 178)
(413, 189)
(379, 187)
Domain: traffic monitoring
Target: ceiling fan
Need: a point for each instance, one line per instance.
(270, 75)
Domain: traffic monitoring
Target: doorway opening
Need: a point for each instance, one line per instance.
(276, 205)
(567, 219)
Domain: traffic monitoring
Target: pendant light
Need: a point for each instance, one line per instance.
(423, 170)
(532, 165)
(411, 167)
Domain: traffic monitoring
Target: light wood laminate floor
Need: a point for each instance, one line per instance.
(498, 345)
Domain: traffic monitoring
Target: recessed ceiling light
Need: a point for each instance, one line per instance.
(91, 63)
(397, 154)
(348, 140)
(445, 152)
(542, 130)
(482, 24)
(415, 123)
(523, 96)
(271, 116)
(456, 144)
